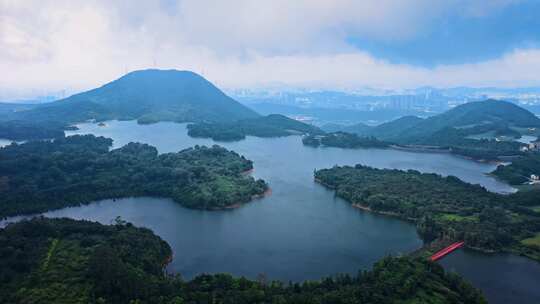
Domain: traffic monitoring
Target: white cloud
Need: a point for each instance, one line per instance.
(238, 43)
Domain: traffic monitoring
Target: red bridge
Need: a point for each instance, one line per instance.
(446, 251)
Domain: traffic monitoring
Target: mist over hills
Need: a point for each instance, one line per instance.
(148, 96)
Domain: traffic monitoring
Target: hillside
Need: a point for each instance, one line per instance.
(68, 261)
(7, 109)
(470, 115)
(497, 117)
(483, 130)
(389, 129)
(148, 96)
(273, 125)
(383, 131)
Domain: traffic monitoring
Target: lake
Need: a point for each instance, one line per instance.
(301, 231)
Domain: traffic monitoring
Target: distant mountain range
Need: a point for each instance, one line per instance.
(148, 96)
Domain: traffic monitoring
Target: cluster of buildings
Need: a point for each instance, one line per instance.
(532, 146)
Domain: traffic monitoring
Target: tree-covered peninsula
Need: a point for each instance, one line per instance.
(43, 175)
(442, 207)
(273, 125)
(68, 261)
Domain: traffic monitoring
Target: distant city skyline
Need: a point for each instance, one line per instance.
(71, 46)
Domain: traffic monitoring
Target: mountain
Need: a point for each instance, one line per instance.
(382, 131)
(471, 118)
(388, 129)
(333, 127)
(474, 114)
(359, 128)
(148, 96)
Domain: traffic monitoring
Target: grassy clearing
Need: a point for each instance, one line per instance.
(532, 242)
(50, 253)
(458, 218)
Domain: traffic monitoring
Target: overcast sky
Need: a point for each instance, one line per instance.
(338, 44)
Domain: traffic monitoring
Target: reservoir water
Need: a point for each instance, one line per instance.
(301, 231)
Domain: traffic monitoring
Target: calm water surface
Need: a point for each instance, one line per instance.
(503, 278)
(301, 231)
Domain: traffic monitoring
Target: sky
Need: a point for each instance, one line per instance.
(332, 44)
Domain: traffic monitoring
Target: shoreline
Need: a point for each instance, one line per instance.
(254, 197)
(247, 172)
(387, 213)
(421, 149)
(427, 247)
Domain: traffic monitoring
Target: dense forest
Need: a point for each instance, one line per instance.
(343, 140)
(273, 125)
(68, 261)
(42, 175)
(520, 170)
(441, 207)
(25, 130)
(458, 141)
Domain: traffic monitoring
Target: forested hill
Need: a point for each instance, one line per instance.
(480, 117)
(488, 112)
(391, 128)
(148, 96)
(273, 125)
(485, 130)
(42, 175)
(68, 261)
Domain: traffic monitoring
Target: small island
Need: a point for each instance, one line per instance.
(273, 125)
(44, 175)
(343, 140)
(443, 208)
(69, 261)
